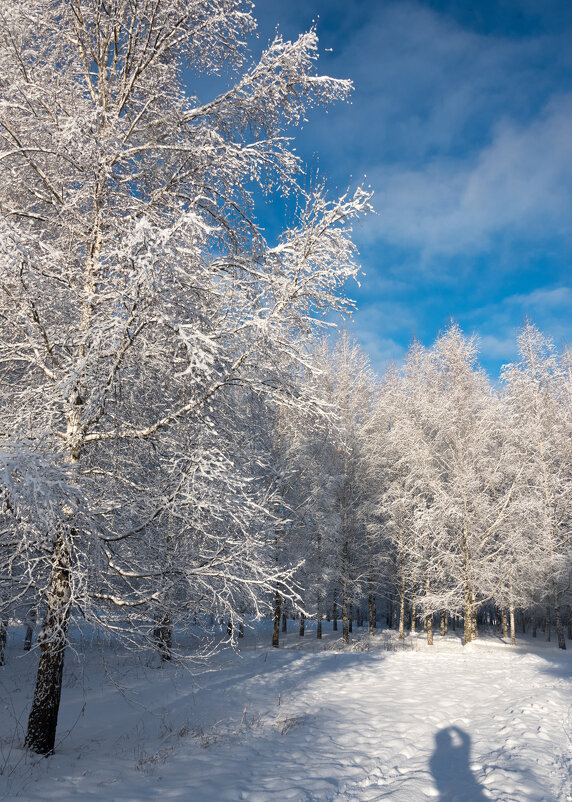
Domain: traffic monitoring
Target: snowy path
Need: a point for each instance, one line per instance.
(483, 722)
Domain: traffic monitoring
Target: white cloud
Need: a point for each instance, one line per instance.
(464, 137)
(498, 348)
(519, 184)
(543, 300)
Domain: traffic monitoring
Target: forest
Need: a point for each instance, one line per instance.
(186, 439)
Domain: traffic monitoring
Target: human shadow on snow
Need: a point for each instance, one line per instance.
(450, 766)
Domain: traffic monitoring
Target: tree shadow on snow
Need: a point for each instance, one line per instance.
(450, 766)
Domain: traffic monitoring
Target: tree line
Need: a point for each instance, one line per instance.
(432, 494)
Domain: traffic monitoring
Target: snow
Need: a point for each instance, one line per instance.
(307, 722)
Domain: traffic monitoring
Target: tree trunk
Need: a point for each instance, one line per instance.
(302, 622)
(429, 619)
(443, 622)
(471, 631)
(512, 624)
(28, 637)
(371, 611)
(345, 576)
(335, 611)
(276, 628)
(534, 621)
(429, 625)
(30, 623)
(474, 614)
(548, 622)
(3, 637)
(319, 617)
(345, 621)
(402, 605)
(351, 617)
(284, 622)
(504, 623)
(558, 618)
(569, 622)
(413, 615)
(43, 719)
(163, 634)
(468, 631)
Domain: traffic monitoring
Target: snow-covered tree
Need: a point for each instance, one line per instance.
(538, 399)
(347, 384)
(135, 283)
(449, 481)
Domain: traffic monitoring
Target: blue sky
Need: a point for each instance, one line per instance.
(461, 121)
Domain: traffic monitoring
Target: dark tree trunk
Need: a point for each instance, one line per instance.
(371, 612)
(302, 623)
(42, 723)
(351, 618)
(401, 624)
(3, 637)
(163, 634)
(276, 628)
(335, 611)
(558, 618)
(30, 623)
(284, 623)
(429, 618)
(345, 622)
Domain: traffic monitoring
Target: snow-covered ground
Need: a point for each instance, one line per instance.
(307, 721)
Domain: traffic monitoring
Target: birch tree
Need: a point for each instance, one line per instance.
(451, 482)
(135, 284)
(538, 398)
(347, 385)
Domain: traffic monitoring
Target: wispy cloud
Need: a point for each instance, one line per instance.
(521, 184)
(463, 136)
(461, 120)
(498, 323)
